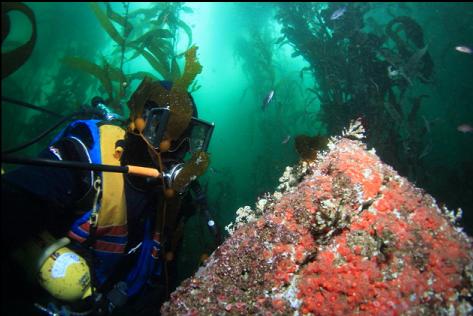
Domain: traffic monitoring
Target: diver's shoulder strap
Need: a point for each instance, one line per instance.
(106, 223)
(89, 141)
(113, 186)
(71, 148)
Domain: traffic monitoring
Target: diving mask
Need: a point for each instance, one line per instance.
(186, 157)
(197, 134)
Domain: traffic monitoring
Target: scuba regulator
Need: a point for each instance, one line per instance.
(103, 111)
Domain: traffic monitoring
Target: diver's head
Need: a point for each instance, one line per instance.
(163, 137)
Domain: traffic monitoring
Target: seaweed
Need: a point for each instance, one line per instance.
(307, 147)
(363, 72)
(137, 100)
(93, 69)
(166, 13)
(106, 74)
(180, 102)
(191, 70)
(416, 103)
(178, 99)
(175, 71)
(123, 21)
(413, 58)
(13, 60)
(169, 16)
(155, 62)
(107, 24)
(412, 33)
(180, 113)
(156, 44)
(257, 63)
(194, 167)
(5, 24)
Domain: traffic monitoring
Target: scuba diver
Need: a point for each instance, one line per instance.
(97, 242)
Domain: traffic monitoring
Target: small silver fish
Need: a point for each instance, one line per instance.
(338, 13)
(285, 140)
(214, 171)
(465, 128)
(464, 49)
(267, 99)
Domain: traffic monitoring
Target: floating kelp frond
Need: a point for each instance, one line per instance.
(186, 29)
(307, 146)
(175, 71)
(159, 95)
(181, 113)
(193, 168)
(91, 68)
(5, 24)
(14, 59)
(140, 75)
(148, 90)
(180, 102)
(106, 24)
(411, 28)
(154, 34)
(416, 103)
(138, 98)
(162, 53)
(119, 19)
(169, 16)
(191, 70)
(148, 14)
(412, 48)
(158, 43)
(154, 62)
(178, 99)
(195, 87)
(114, 73)
(106, 75)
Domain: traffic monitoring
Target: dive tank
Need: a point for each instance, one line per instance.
(57, 268)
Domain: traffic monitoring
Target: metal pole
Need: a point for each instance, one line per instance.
(136, 170)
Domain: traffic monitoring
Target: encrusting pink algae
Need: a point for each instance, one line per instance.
(351, 237)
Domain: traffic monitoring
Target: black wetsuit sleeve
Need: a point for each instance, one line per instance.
(36, 198)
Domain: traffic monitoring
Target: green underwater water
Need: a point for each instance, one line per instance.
(321, 77)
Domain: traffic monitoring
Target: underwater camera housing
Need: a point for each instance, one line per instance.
(195, 138)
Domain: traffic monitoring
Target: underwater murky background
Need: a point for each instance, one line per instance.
(406, 69)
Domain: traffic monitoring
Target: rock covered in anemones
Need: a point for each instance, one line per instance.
(352, 237)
